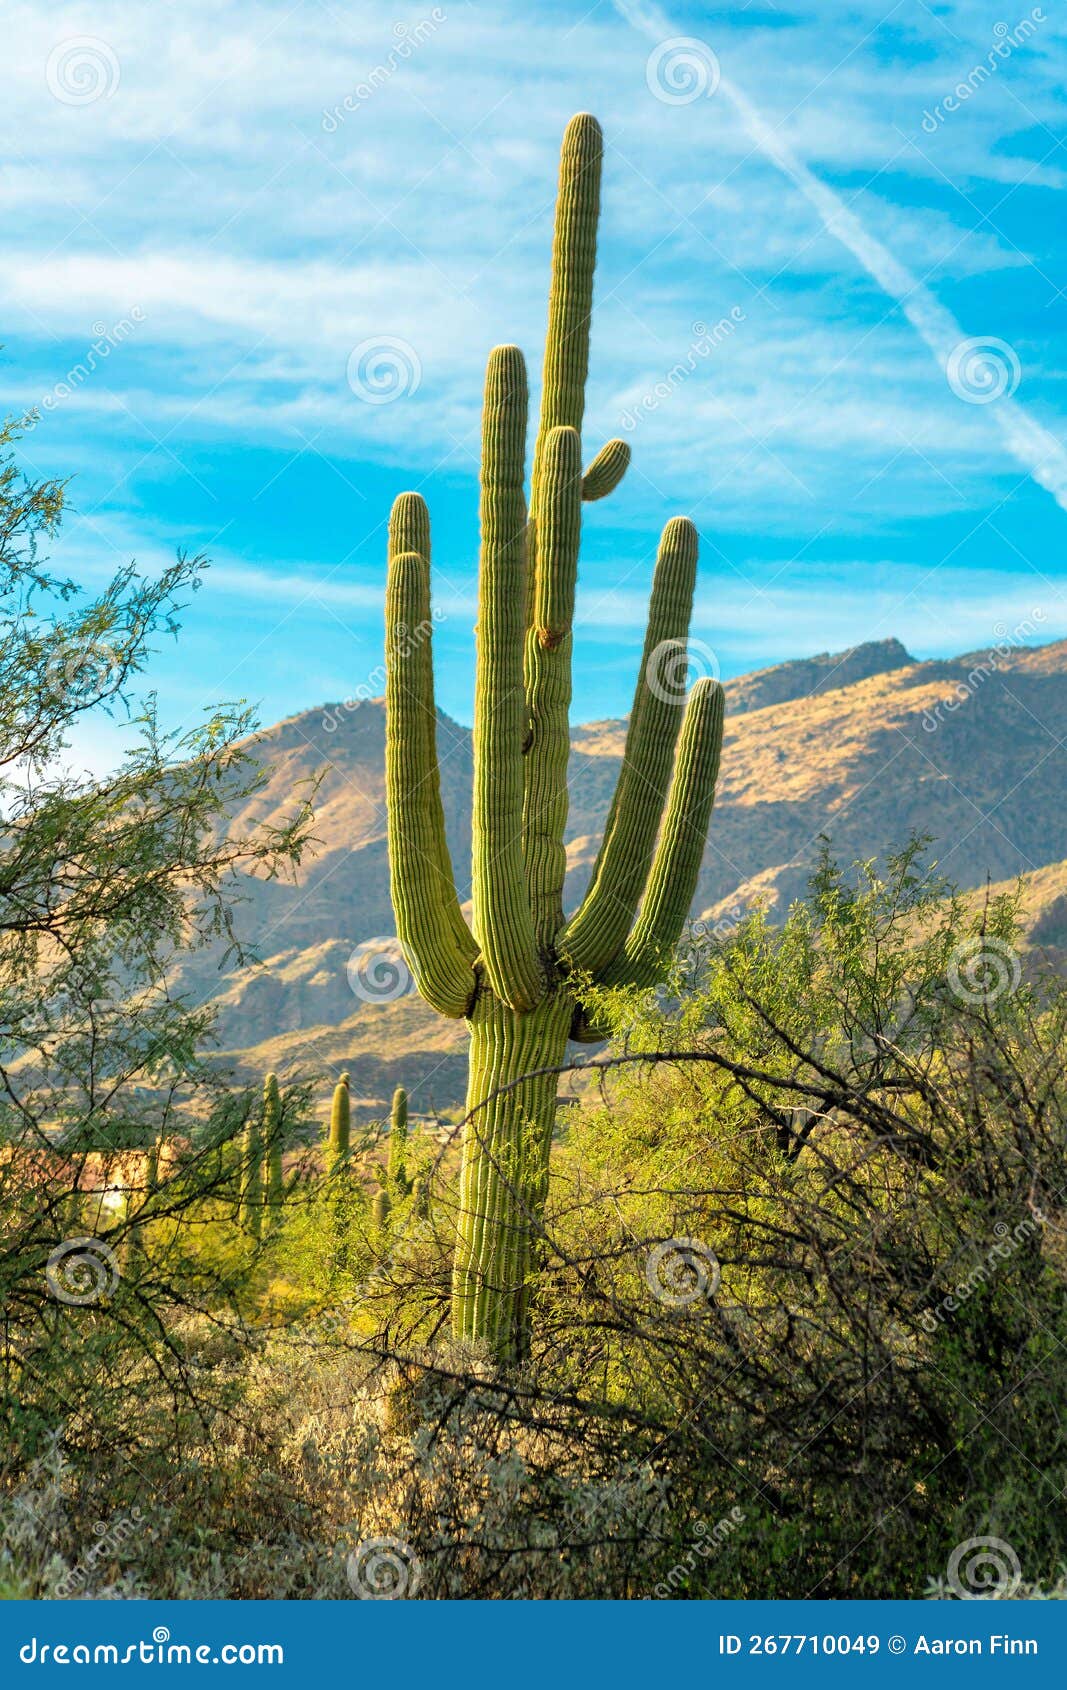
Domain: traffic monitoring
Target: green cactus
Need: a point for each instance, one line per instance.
(398, 1141)
(517, 974)
(340, 1132)
(421, 1195)
(380, 1210)
(272, 1139)
(606, 471)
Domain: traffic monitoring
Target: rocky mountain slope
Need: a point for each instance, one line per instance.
(865, 747)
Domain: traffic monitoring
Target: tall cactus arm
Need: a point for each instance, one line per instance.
(606, 471)
(570, 300)
(503, 925)
(409, 531)
(676, 866)
(598, 930)
(429, 922)
(570, 305)
(409, 526)
(548, 683)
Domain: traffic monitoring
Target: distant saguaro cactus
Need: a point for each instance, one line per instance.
(380, 1210)
(340, 1131)
(421, 1194)
(398, 1140)
(272, 1139)
(517, 975)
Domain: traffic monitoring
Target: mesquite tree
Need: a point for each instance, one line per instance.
(517, 975)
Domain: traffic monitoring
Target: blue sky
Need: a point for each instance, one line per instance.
(186, 183)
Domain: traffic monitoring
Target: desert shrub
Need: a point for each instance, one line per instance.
(799, 1323)
(105, 880)
(803, 1265)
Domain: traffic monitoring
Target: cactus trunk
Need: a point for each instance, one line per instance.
(505, 1161)
(519, 976)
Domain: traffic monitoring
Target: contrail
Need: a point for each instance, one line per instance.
(977, 365)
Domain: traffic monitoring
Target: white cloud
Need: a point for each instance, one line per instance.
(1039, 452)
(261, 247)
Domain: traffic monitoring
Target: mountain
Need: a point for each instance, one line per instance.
(865, 747)
(804, 676)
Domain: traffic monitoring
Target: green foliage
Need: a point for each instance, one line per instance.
(801, 1321)
(825, 1208)
(108, 1214)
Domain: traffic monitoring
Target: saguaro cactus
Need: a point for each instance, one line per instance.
(340, 1130)
(398, 1140)
(518, 972)
(380, 1208)
(272, 1139)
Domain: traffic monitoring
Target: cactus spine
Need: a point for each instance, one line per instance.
(398, 1141)
(517, 972)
